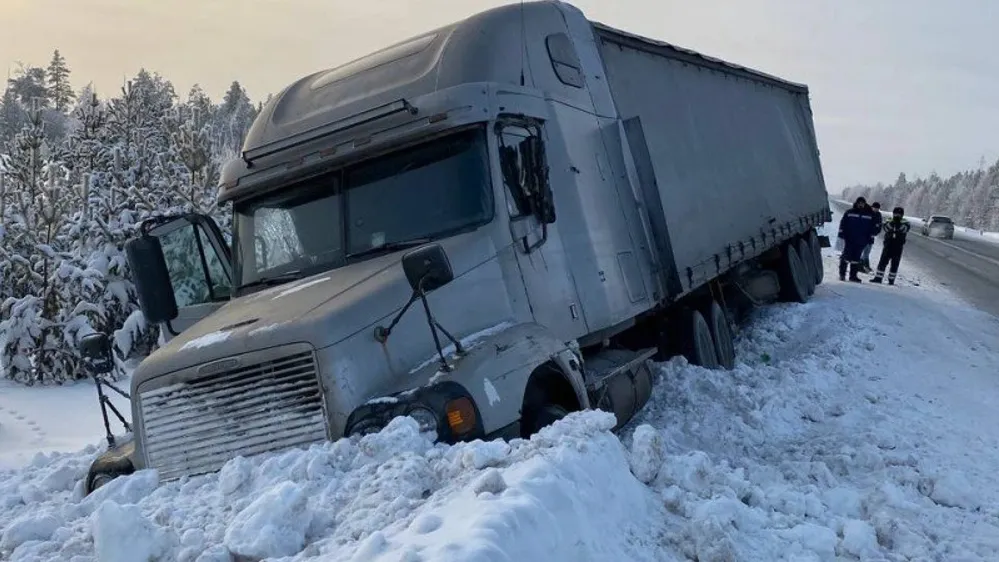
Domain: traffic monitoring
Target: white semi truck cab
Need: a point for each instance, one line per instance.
(484, 227)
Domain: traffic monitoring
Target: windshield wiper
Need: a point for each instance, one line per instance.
(274, 279)
(389, 247)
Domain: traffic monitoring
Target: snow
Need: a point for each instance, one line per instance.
(859, 426)
(468, 342)
(207, 340)
(301, 285)
(39, 420)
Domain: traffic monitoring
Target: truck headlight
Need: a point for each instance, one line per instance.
(445, 408)
(367, 426)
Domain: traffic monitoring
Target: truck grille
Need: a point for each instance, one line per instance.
(195, 426)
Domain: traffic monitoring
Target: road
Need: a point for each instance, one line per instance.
(968, 267)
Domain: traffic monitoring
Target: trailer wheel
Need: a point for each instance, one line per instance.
(805, 253)
(721, 334)
(698, 345)
(818, 269)
(792, 272)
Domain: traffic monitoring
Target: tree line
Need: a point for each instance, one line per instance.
(970, 198)
(78, 173)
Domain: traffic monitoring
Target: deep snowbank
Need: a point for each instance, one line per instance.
(390, 496)
(858, 426)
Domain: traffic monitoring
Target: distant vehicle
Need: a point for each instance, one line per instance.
(938, 226)
(578, 198)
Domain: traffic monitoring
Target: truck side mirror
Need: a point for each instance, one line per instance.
(95, 349)
(151, 278)
(427, 268)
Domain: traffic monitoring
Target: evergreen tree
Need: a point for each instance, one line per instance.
(59, 89)
(12, 115)
(29, 86)
(76, 178)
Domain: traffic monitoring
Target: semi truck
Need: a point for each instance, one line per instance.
(484, 227)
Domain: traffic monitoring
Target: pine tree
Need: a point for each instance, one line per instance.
(12, 115)
(76, 178)
(29, 86)
(59, 89)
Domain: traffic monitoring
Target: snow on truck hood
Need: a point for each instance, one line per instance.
(293, 312)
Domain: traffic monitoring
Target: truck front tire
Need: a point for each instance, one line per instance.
(548, 398)
(543, 417)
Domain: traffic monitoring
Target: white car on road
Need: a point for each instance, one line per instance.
(938, 226)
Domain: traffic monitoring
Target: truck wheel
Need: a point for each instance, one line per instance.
(805, 253)
(721, 334)
(545, 416)
(548, 398)
(818, 269)
(793, 286)
(698, 345)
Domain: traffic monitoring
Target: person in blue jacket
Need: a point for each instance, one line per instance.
(855, 229)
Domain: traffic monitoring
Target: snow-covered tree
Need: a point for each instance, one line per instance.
(971, 198)
(59, 89)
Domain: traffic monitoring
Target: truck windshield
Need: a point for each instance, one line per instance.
(414, 195)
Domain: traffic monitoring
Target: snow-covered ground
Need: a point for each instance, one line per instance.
(42, 419)
(861, 425)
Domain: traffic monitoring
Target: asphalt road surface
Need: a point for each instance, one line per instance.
(968, 267)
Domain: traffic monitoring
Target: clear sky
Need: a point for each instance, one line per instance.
(897, 85)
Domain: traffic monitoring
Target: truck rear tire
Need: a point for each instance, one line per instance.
(818, 269)
(792, 272)
(698, 344)
(805, 253)
(721, 334)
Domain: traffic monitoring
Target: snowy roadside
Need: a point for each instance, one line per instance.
(857, 426)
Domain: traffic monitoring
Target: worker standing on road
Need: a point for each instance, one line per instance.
(855, 229)
(895, 232)
(865, 257)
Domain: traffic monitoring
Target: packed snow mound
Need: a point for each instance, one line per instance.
(840, 435)
(390, 496)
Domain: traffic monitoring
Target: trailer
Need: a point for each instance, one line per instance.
(485, 227)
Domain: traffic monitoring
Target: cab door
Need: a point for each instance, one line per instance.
(540, 255)
(198, 261)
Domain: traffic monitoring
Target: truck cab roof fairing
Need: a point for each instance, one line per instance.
(477, 49)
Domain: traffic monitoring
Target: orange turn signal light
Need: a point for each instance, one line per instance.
(460, 415)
